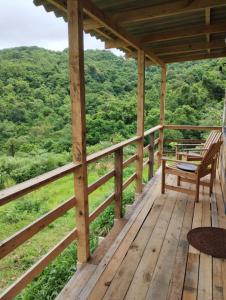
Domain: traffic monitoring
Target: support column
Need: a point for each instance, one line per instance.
(77, 93)
(140, 119)
(162, 110)
(222, 157)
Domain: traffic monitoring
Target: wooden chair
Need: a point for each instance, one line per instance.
(207, 166)
(197, 151)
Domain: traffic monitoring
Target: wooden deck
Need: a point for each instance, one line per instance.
(147, 255)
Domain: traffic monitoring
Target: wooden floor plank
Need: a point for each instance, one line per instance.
(124, 274)
(217, 263)
(176, 285)
(217, 279)
(191, 277)
(145, 270)
(197, 220)
(221, 264)
(107, 241)
(76, 283)
(190, 290)
(115, 254)
(205, 268)
(159, 286)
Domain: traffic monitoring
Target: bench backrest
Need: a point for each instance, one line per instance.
(214, 137)
(209, 157)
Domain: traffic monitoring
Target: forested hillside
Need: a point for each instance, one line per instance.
(35, 105)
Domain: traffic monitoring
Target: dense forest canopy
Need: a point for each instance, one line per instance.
(35, 104)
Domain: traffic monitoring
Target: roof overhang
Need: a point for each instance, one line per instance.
(168, 31)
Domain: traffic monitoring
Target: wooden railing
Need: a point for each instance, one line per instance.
(192, 127)
(11, 194)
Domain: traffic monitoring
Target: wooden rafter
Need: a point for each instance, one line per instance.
(164, 50)
(92, 11)
(164, 10)
(184, 32)
(189, 47)
(192, 57)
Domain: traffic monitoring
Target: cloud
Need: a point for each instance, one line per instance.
(24, 24)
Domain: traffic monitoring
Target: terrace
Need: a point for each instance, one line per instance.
(146, 255)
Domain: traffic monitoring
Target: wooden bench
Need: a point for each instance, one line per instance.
(207, 166)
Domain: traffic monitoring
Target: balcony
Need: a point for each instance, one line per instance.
(133, 259)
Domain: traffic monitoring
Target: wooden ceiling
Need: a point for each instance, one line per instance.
(168, 31)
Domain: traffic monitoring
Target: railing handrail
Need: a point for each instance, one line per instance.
(107, 151)
(153, 129)
(30, 185)
(192, 127)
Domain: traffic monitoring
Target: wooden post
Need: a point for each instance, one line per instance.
(140, 119)
(77, 93)
(222, 158)
(162, 111)
(151, 155)
(118, 182)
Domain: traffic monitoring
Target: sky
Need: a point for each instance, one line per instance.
(24, 24)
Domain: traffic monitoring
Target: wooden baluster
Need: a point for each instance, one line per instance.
(77, 93)
(118, 182)
(151, 155)
(140, 120)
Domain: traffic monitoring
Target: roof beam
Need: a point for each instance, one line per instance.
(96, 14)
(184, 32)
(164, 10)
(192, 57)
(115, 44)
(90, 24)
(189, 47)
(163, 50)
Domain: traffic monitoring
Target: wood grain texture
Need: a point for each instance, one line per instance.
(77, 94)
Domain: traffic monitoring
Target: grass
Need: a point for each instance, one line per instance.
(17, 214)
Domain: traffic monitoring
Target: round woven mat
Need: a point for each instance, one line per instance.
(209, 240)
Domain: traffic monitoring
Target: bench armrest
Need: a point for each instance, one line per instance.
(179, 161)
(199, 144)
(195, 149)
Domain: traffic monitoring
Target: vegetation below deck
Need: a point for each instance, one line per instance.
(35, 137)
